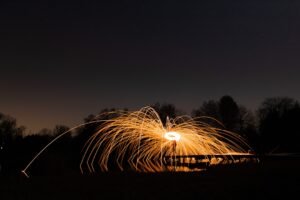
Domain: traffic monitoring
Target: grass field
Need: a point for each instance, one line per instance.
(273, 178)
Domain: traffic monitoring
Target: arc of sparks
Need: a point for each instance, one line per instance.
(139, 139)
(24, 171)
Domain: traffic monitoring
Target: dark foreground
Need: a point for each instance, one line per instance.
(271, 179)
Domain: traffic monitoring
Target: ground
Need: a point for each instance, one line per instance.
(271, 179)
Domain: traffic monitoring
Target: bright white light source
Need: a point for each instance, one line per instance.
(173, 136)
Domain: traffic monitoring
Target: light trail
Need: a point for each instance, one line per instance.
(140, 140)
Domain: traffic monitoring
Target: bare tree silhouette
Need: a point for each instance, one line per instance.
(279, 120)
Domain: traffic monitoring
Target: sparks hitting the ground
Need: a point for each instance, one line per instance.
(139, 140)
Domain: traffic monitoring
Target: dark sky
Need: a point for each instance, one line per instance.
(62, 60)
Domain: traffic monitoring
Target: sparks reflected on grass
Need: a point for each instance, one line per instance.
(141, 141)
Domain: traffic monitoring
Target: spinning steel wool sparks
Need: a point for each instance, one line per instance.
(140, 141)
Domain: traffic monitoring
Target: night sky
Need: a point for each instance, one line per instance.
(62, 60)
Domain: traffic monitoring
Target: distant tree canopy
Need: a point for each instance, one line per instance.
(233, 117)
(227, 111)
(165, 110)
(279, 120)
(59, 129)
(209, 108)
(9, 129)
(10, 133)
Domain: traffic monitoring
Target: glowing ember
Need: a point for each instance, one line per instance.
(173, 136)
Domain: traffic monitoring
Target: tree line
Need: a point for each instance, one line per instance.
(272, 128)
